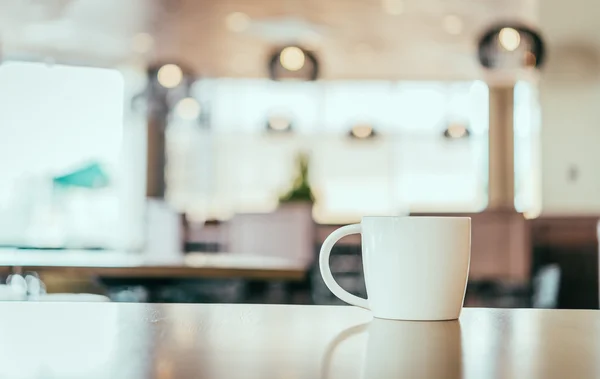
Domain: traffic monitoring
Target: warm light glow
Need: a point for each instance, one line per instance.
(142, 43)
(237, 22)
(529, 59)
(452, 24)
(509, 38)
(362, 131)
(292, 58)
(188, 108)
(169, 76)
(279, 123)
(456, 131)
(392, 7)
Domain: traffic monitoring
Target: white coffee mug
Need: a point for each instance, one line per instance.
(416, 268)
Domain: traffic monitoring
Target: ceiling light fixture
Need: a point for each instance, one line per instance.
(279, 124)
(509, 38)
(292, 58)
(511, 46)
(293, 63)
(456, 131)
(362, 131)
(169, 75)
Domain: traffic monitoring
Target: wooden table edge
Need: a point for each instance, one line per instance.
(290, 274)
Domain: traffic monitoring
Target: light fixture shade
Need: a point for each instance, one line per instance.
(188, 108)
(510, 46)
(165, 88)
(170, 75)
(362, 131)
(277, 123)
(457, 131)
(293, 62)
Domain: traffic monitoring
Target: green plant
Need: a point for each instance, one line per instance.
(300, 190)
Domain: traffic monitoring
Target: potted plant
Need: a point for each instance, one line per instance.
(294, 214)
(301, 190)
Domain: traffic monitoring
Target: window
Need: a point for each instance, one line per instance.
(410, 166)
(61, 131)
(527, 149)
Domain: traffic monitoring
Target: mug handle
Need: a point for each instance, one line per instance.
(326, 270)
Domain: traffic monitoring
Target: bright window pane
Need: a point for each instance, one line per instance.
(60, 139)
(410, 167)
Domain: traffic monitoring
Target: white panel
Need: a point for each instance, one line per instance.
(441, 175)
(54, 119)
(348, 103)
(409, 166)
(527, 149)
(243, 105)
(569, 99)
(570, 153)
(420, 107)
(353, 178)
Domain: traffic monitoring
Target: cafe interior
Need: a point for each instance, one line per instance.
(200, 151)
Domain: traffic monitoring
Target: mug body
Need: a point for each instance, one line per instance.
(416, 268)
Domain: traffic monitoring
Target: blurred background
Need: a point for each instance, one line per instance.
(201, 150)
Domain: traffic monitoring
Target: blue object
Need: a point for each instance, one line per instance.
(90, 176)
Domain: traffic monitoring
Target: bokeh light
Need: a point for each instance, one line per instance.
(279, 123)
(362, 131)
(509, 38)
(170, 76)
(292, 58)
(456, 131)
(188, 108)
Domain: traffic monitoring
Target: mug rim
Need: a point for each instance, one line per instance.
(423, 217)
